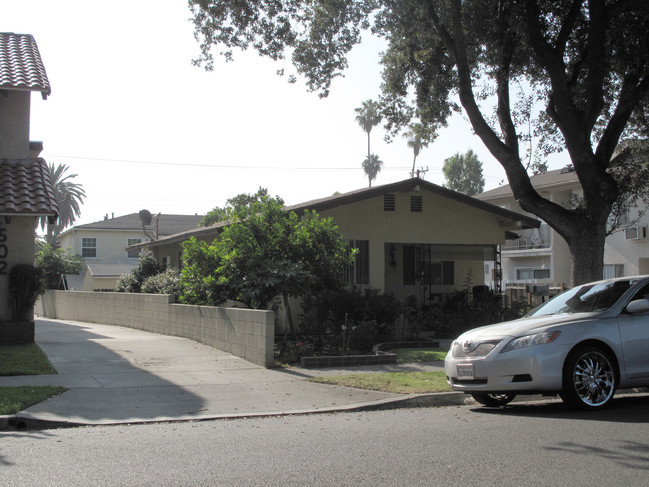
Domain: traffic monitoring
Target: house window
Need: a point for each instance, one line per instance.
(442, 273)
(359, 271)
(389, 203)
(133, 253)
(415, 203)
(528, 274)
(417, 269)
(410, 267)
(89, 247)
(613, 270)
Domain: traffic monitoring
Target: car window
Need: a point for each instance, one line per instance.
(584, 299)
(642, 294)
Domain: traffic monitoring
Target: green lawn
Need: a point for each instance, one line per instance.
(15, 399)
(24, 360)
(396, 382)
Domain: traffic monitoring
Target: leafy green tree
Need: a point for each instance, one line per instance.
(583, 64)
(463, 173)
(69, 198)
(54, 262)
(147, 266)
(272, 253)
(418, 137)
(372, 166)
(235, 206)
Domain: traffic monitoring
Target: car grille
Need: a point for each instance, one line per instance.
(482, 349)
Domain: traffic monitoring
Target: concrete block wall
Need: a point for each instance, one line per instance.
(247, 333)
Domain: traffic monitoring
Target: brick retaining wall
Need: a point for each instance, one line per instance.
(247, 333)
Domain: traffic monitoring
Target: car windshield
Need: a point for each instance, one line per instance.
(584, 299)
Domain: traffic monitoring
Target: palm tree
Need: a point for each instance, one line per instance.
(418, 138)
(368, 117)
(69, 198)
(372, 166)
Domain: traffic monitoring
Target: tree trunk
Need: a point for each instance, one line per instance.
(587, 259)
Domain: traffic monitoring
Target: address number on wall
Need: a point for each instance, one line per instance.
(4, 251)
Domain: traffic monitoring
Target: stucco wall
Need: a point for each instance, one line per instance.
(16, 247)
(14, 125)
(110, 244)
(249, 334)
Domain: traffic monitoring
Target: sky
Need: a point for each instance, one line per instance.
(142, 128)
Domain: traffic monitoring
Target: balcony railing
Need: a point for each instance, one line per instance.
(537, 238)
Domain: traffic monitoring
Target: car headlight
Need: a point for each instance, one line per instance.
(529, 340)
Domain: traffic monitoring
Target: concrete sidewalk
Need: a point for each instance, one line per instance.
(120, 375)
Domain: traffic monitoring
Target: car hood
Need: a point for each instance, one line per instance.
(525, 326)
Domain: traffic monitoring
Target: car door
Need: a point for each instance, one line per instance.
(634, 335)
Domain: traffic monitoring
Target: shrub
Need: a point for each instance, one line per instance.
(56, 262)
(25, 285)
(167, 282)
(147, 267)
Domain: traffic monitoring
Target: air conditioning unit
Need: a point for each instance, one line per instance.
(635, 232)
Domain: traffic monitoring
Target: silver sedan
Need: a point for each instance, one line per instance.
(583, 344)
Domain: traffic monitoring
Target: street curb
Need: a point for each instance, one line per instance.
(17, 422)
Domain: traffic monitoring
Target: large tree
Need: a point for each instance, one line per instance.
(463, 173)
(69, 198)
(268, 254)
(236, 205)
(570, 74)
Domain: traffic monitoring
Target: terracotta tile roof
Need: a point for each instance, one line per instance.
(21, 67)
(25, 188)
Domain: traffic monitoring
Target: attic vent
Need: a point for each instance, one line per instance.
(388, 202)
(415, 203)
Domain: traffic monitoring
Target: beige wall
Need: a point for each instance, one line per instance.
(110, 244)
(442, 221)
(249, 334)
(16, 247)
(14, 125)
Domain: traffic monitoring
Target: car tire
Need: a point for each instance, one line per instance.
(589, 378)
(493, 400)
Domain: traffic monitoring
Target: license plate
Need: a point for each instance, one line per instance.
(465, 371)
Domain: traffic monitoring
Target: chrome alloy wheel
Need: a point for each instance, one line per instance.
(593, 378)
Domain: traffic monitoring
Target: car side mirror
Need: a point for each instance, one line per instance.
(638, 306)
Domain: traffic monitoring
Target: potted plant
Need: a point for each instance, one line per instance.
(25, 286)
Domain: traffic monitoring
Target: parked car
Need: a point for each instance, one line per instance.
(583, 344)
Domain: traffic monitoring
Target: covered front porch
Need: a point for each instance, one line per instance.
(431, 271)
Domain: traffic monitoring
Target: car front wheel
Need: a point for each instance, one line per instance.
(588, 378)
(493, 400)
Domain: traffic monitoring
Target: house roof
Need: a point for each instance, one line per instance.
(110, 270)
(26, 189)
(165, 224)
(21, 67)
(330, 202)
(408, 185)
(541, 182)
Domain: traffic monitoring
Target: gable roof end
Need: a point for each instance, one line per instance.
(21, 66)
